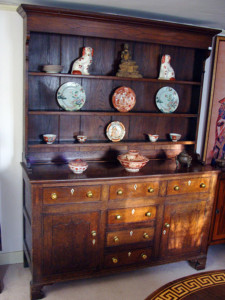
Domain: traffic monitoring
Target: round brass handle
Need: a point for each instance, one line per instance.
(116, 239)
(93, 233)
(202, 185)
(148, 214)
(114, 260)
(146, 236)
(53, 196)
(144, 256)
(118, 217)
(151, 190)
(119, 192)
(176, 188)
(89, 194)
(167, 225)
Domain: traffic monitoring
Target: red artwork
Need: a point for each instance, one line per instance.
(215, 133)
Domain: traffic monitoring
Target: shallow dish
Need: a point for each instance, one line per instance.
(132, 161)
(124, 99)
(71, 96)
(52, 68)
(115, 131)
(167, 99)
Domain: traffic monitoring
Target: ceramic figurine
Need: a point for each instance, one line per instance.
(81, 65)
(183, 159)
(127, 67)
(166, 71)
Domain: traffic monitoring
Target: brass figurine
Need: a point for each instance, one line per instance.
(128, 67)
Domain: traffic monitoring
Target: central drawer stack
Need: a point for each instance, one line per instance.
(130, 231)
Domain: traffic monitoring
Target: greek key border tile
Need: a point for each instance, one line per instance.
(178, 290)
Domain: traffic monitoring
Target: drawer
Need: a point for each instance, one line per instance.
(130, 215)
(127, 257)
(122, 237)
(134, 190)
(71, 194)
(185, 186)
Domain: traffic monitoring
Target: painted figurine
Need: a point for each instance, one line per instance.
(166, 71)
(81, 65)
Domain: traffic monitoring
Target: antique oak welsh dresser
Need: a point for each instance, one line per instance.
(108, 220)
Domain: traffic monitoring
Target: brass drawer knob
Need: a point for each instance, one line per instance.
(119, 192)
(93, 233)
(89, 194)
(53, 196)
(146, 236)
(114, 260)
(176, 188)
(118, 217)
(148, 214)
(151, 190)
(167, 225)
(202, 185)
(116, 239)
(144, 256)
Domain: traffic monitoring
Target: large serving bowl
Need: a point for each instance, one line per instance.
(78, 166)
(132, 161)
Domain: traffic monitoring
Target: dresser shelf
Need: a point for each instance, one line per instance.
(108, 77)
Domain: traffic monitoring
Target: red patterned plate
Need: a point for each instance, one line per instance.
(124, 99)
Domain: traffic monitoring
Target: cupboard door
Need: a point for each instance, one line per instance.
(219, 223)
(183, 230)
(71, 242)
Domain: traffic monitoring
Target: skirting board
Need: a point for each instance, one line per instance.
(9, 258)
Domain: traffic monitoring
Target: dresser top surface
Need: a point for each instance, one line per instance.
(112, 171)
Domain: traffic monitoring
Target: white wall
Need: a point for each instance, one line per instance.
(11, 111)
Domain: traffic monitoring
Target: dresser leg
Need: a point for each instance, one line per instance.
(198, 264)
(25, 262)
(36, 291)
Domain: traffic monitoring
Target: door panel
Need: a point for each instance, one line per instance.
(219, 224)
(69, 242)
(183, 228)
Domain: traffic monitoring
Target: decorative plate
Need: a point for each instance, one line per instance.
(71, 96)
(115, 131)
(124, 99)
(167, 99)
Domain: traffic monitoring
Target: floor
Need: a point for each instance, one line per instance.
(135, 285)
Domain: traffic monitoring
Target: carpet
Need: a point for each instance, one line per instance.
(201, 286)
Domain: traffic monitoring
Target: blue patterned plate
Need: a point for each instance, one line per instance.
(167, 99)
(71, 96)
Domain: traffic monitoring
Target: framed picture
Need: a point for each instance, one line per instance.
(214, 147)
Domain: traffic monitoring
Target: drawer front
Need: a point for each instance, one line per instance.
(185, 186)
(127, 257)
(122, 237)
(134, 190)
(71, 194)
(130, 215)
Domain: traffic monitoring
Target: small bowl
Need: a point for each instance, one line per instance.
(81, 138)
(153, 137)
(78, 166)
(175, 137)
(52, 68)
(49, 138)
